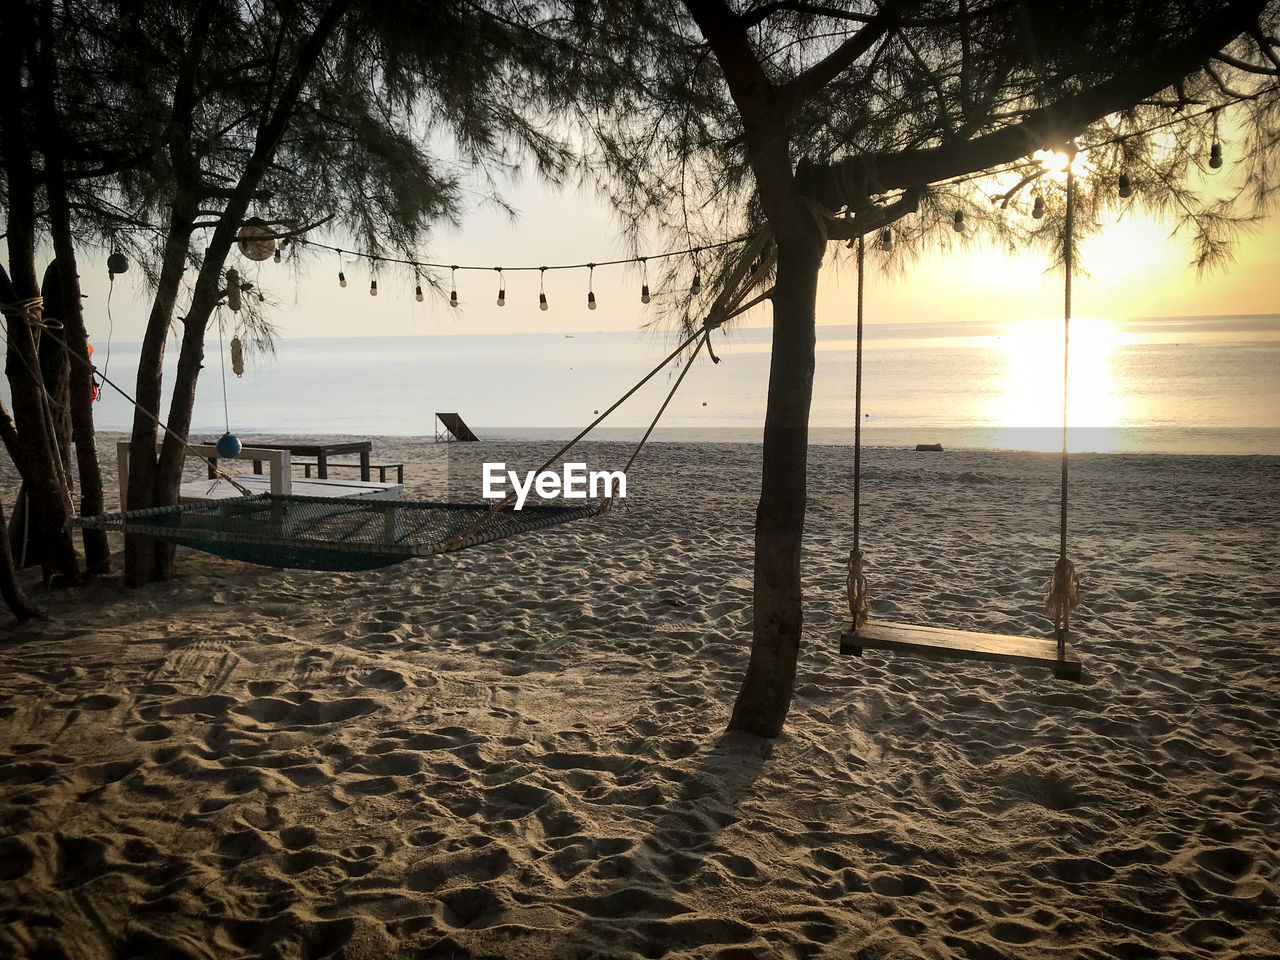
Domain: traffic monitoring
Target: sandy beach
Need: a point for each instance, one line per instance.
(517, 751)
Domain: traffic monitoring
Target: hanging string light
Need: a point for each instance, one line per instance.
(591, 283)
(542, 288)
(276, 256)
(453, 281)
(695, 288)
(502, 288)
(342, 277)
(957, 222)
(1126, 188)
(1037, 208)
(256, 239)
(886, 241)
(373, 288)
(644, 286)
(417, 286)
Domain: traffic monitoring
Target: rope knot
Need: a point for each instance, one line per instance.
(859, 594)
(1064, 593)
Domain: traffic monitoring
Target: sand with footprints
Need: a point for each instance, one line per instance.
(519, 751)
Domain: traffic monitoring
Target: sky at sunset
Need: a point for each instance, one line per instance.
(1132, 269)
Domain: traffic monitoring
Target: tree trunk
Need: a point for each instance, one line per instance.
(39, 465)
(73, 338)
(139, 551)
(766, 692)
(14, 597)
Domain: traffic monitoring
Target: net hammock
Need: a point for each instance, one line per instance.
(332, 533)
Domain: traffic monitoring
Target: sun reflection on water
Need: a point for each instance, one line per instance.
(1027, 409)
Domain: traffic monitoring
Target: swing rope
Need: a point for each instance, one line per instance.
(856, 582)
(1064, 587)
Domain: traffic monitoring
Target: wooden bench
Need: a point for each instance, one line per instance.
(382, 468)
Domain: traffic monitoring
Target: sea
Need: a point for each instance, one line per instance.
(1197, 385)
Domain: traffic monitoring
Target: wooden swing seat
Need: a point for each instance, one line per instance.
(939, 643)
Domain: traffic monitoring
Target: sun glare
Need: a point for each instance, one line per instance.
(1028, 409)
(1055, 163)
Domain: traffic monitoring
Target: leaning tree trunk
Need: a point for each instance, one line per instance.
(766, 692)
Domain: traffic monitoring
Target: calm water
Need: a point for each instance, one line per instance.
(1192, 385)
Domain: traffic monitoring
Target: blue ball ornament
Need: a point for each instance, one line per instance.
(228, 446)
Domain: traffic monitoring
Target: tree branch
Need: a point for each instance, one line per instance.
(851, 180)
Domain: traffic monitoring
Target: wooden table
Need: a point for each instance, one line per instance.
(322, 452)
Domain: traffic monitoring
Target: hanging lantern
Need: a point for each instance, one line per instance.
(1215, 155)
(886, 241)
(237, 357)
(233, 289)
(256, 239)
(116, 263)
(1126, 188)
(957, 222)
(1037, 208)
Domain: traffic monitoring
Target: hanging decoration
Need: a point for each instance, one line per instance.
(256, 239)
(1037, 208)
(373, 288)
(116, 263)
(644, 284)
(237, 357)
(233, 289)
(886, 241)
(957, 221)
(542, 289)
(502, 288)
(591, 283)
(1126, 188)
(453, 293)
(1215, 151)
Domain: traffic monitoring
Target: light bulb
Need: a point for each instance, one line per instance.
(542, 301)
(696, 287)
(1215, 155)
(276, 258)
(502, 297)
(957, 222)
(453, 298)
(1126, 188)
(886, 241)
(417, 293)
(342, 279)
(591, 300)
(644, 293)
(373, 288)
(1037, 209)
